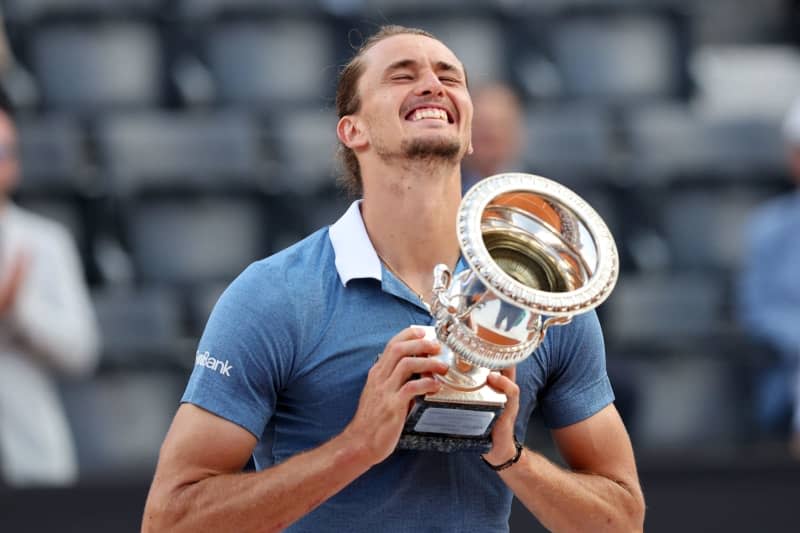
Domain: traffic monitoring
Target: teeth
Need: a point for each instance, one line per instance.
(429, 112)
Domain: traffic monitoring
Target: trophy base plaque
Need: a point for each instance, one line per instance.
(452, 421)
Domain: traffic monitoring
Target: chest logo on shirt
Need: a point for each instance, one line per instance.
(205, 360)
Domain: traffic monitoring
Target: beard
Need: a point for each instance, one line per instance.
(424, 150)
(431, 149)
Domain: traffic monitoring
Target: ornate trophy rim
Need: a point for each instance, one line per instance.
(477, 256)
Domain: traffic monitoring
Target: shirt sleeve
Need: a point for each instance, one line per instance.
(245, 354)
(577, 385)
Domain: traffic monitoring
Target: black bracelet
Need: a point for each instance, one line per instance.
(508, 463)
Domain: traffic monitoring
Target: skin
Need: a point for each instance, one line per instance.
(409, 209)
(13, 277)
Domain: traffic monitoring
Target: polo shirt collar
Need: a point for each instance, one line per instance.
(355, 256)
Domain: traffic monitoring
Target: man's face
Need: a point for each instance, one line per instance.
(9, 166)
(414, 100)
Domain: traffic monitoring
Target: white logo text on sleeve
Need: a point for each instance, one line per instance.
(205, 360)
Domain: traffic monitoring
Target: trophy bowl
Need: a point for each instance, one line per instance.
(536, 255)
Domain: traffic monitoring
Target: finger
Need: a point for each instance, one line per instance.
(510, 389)
(417, 387)
(503, 384)
(510, 372)
(408, 366)
(397, 350)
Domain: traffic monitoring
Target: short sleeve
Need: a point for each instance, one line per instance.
(577, 385)
(245, 354)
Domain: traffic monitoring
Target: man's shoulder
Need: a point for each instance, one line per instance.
(306, 258)
(298, 270)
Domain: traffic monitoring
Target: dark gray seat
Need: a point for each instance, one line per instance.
(93, 67)
(704, 227)
(676, 143)
(658, 314)
(571, 144)
(141, 328)
(271, 63)
(27, 11)
(618, 56)
(119, 421)
(185, 240)
(306, 143)
(216, 150)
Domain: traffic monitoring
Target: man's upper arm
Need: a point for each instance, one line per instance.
(200, 444)
(600, 445)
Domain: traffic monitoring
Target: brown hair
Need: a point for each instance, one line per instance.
(348, 101)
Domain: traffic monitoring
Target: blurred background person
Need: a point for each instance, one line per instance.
(498, 134)
(769, 298)
(47, 329)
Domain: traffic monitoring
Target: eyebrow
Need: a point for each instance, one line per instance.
(410, 63)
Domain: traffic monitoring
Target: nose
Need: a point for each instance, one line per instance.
(430, 84)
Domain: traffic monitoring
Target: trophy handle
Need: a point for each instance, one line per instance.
(441, 282)
(555, 321)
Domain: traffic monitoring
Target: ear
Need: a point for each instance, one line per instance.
(470, 149)
(350, 132)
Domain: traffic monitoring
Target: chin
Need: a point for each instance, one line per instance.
(433, 146)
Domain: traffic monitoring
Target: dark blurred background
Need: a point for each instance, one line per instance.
(181, 139)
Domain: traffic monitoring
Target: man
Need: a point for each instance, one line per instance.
(498, 134)
(47, 328)
(769, 297)
(288, 368)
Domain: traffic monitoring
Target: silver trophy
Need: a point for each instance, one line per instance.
(537, 254)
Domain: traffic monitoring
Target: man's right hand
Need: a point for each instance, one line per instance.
(390, 391)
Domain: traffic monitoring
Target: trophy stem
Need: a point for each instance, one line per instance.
(461, 375)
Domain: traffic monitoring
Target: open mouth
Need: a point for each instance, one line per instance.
(429, 113)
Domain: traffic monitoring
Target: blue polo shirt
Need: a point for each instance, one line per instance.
(285, 355)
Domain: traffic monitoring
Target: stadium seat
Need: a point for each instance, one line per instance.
(305, 140)
(212, 151)
(271, 63)
(704, 227)
(571, 144)
(29, 11)
(765, 78)
(183, 240)
(618, 56)
(90, 68)
(141, 328)
(119, 421)
(665, 314)
(192, 11)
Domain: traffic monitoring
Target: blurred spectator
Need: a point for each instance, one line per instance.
(47, 329)
(498, 134)
(769, 297)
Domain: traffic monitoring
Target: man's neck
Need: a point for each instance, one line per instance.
(410, 216)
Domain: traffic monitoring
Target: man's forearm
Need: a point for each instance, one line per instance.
(263, 501)
(563, 500)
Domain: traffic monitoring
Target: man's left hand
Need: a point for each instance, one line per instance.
(503, 447)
